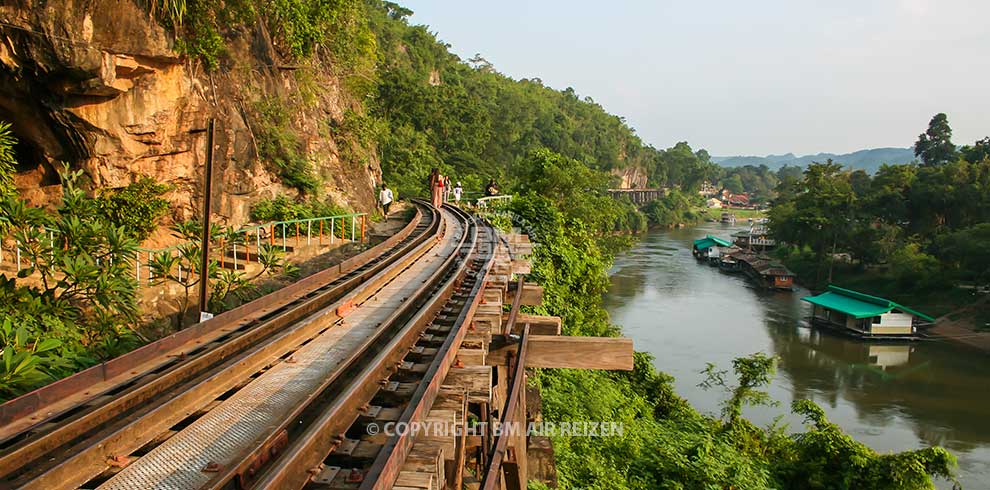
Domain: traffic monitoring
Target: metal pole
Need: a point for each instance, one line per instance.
(332, 221)
(309, 232)
(283, 237)
(234, 245)
(17, 246)
(258, 252)
(207, 205)
(353, 219)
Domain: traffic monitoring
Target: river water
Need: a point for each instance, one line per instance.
(892, 397)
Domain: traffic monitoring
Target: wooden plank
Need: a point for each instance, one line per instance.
(471, 357)
(491, 295)
(476, 381)
(552, 351)
(426, 458)
(532, 294)
(521, 266)
(417, 480)
(539, 324)
(541, 461)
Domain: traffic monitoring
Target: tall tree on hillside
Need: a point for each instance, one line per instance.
(935, 146)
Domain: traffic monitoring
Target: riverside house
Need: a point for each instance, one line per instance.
(865, 316)
(706, 248)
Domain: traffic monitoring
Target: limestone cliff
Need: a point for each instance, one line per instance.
(99, 85)
(631, 177)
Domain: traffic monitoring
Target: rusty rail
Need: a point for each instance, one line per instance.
(493, 471)
(324, 432)
(170, 378)
(386, 466)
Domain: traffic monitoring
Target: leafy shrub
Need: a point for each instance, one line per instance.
(673, 209)
(7, 159)
(282, 208)
(279, 144)
(80, 302)
(137, 208)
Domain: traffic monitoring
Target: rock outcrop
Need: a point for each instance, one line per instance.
(97, 84)
(631, 177)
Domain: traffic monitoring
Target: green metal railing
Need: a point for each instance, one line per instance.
(345, 227)
(484, 202)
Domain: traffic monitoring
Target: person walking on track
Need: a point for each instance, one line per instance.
(436, 187)
(385, 198)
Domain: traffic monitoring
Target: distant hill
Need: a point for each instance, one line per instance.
(869, 160)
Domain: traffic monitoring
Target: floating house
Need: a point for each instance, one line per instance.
(865, 316)
(705, 248)
(757, 238)
(762, 269)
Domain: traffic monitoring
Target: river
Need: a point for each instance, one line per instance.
(892, 397)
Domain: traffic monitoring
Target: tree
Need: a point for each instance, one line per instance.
(138, 207)
(968, 250)
(74, 303)
(935, 146)
(978, 152)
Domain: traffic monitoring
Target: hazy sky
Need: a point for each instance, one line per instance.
(745, 77)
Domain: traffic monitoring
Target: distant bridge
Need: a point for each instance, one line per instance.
(638, 196)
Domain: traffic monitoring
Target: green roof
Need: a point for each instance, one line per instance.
(710, 241)
(858, 305)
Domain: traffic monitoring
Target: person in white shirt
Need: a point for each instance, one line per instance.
(385, 199)
(457, 193)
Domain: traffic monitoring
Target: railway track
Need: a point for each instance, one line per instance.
(99, 430)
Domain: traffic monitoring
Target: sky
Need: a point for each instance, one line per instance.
(745, 77)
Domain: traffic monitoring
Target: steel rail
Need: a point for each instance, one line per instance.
(492, 473)
(387, 464)
(197, 379)
(328, 393)
(294, 468)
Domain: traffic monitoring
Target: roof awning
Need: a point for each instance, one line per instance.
(710, 241)
(858, 305)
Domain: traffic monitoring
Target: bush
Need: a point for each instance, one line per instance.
(282, 208)
(672, 209)
(279, 145)
(80, 302)
(137, 208)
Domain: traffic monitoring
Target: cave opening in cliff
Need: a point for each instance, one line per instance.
(34, 168)
(32, 163)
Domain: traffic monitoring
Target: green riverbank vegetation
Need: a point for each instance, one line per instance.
(425, 107)
(665, 443)
(909, 232)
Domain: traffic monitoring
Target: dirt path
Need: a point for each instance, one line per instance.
(964, 328)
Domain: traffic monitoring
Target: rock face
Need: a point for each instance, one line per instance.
(98, 85)
(631, 177)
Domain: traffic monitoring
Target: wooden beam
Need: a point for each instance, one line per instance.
(552, 351)
(532, 294)
(521, 266)
(476, 381)
(539, 324)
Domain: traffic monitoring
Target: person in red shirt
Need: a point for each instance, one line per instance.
(436, 187)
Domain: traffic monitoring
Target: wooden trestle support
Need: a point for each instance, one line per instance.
(486, 387)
